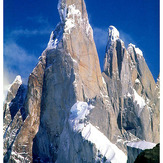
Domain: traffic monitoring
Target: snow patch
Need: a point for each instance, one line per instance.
(139, 100)
(131, 45)
(137, 81)
(129, 95)
(18, 80)
(78, 114)
(141, 145)
(77, 121)
(103, 80)
(73, 14)
(52, 43)
(113, 33)
(70, 23)
(137, 50)
(102, 143)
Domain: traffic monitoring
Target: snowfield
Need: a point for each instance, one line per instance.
(142, 145)
(78, 123)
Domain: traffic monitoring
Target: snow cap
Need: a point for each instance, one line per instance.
(18, 80)
(113, 33)
(137, 50)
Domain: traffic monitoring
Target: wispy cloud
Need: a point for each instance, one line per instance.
(17, 59)
(39, 19)
(100, 37)
(126, 38)
(27, 32)
(41, 27)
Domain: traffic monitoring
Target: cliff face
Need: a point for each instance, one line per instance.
(75, 113)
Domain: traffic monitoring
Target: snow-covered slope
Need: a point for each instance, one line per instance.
(78, 122)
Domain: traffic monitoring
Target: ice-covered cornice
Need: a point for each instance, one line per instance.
(113, 33)
(137, 50)
(113, 36)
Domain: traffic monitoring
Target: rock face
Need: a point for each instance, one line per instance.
(73, 112)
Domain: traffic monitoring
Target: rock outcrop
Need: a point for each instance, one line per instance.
(72, 111)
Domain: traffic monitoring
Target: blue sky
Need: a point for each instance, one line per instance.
(28, 24)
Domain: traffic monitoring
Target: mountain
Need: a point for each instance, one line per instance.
(70, 111)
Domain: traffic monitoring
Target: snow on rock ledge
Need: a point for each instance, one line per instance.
(113, 35)
(73, 14)
(141, 145)
(138, 99)
(78, 123)
(137, 50)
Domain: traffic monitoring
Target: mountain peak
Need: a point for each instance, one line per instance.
(113, 33)
(137, 50)
(67, 6)
(73, 15)
(18, 79)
